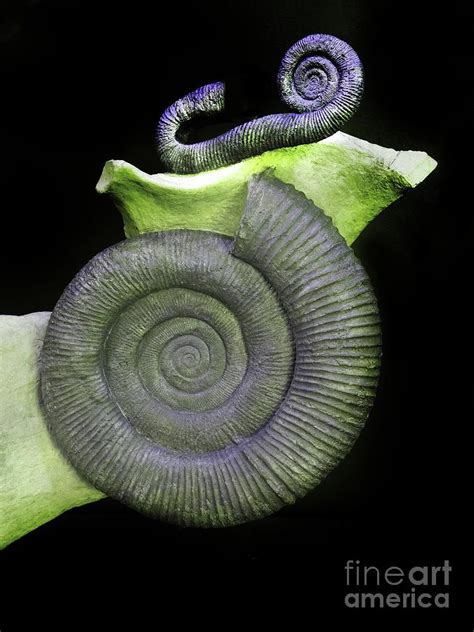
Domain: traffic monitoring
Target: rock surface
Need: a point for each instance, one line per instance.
(36, 482)
(350, 179)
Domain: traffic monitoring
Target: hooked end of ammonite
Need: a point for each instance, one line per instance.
(320, 79)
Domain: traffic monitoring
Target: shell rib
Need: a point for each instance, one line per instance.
(209, 381)
(320, 77)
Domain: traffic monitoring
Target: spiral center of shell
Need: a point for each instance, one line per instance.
(185, 362)
(316, 80)
(199, 370)
(188, 360)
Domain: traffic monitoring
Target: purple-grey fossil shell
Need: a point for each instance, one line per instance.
(209, 381)
(320, 77)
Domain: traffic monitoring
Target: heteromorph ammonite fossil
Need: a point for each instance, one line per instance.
(219, 362)
(320, 77)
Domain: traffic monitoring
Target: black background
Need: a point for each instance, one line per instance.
(83, 82)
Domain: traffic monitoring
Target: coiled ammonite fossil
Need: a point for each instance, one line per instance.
(209, 380)
(320, 77)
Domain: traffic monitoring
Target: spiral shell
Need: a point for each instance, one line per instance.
(320, 77)
(209, 381)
